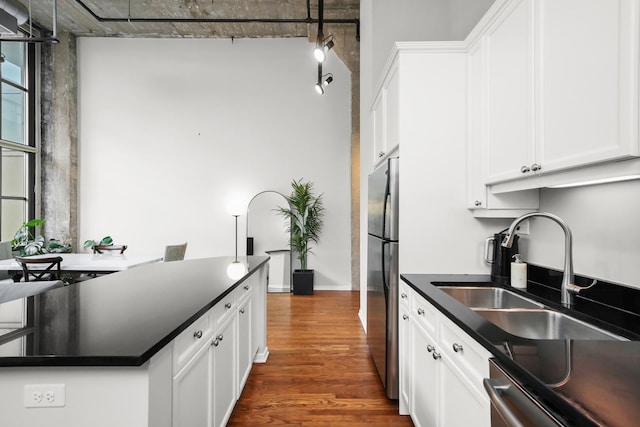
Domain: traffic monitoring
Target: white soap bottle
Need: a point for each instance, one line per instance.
(518, 273)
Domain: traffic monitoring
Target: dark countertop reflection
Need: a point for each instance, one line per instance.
(121, 319)
(582, 382)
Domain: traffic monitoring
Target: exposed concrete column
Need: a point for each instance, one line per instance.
(59, 153)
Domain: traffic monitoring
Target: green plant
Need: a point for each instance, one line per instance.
(106, 240)
(304, 215)
(28, 244)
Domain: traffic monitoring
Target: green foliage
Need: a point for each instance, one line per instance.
(304, 217)
(106, 240)
(28, 244)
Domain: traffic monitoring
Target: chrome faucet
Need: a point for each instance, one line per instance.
(568, 288)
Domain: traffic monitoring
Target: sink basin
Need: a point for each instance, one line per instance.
(488, 297)
(544, 324)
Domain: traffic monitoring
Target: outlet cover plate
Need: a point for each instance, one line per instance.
(44, 396)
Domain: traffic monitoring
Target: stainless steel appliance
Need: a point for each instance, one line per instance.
(382, 274)
(511, 405)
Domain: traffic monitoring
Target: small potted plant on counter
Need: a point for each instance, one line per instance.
(304, 215)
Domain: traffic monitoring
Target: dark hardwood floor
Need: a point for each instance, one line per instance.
(319, 372)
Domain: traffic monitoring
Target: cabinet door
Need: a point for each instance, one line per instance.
(424, 394)
(404, 354)
(588, 83)
(191, 391)
(460, 403)
(224, 372)
(509, 56)
(245, 351)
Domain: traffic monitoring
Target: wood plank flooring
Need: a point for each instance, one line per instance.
(319, 372)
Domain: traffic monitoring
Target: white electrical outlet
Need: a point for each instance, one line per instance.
(523, 228)
(44, 395)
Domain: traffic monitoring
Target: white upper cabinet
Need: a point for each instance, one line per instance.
(386, 116)
(561, 86)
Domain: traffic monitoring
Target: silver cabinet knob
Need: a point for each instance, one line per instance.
(477, 203)
(381, 154)
(524, 169)
(215, 343)
(197, 334)
(457, 347)
(436, 356)
(220, 337)
(246, 287)
(535, 167)
(430, 348)
(403, 295)
(242, 311)
(420, 311)
(405, 317)
(227, 305)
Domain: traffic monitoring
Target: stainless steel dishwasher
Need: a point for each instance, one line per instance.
(511, 405)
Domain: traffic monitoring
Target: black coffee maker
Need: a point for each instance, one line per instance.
(501, 257)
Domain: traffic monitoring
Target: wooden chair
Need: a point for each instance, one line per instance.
(50, 272)
(175, 252)
(98, 249)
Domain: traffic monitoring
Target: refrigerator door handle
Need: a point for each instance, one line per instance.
(385, 281)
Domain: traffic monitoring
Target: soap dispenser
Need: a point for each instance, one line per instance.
(518, 273)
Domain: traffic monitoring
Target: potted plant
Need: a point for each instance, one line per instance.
(24, 243)
(106, 240)
(304, 215)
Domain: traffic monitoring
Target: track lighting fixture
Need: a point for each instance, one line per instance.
(320, 52)
(323, 82)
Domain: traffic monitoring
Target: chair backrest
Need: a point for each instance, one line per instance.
(98, 249)
(175, 252)
(5, 253)
(50, 268)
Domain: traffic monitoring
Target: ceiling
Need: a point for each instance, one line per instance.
(123, 18)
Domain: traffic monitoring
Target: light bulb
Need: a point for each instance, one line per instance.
(236, 270)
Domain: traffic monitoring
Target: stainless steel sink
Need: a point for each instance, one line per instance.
(488, 297)
(544, 324)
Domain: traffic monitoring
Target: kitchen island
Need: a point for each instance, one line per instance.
(159, 345)
(581, 382)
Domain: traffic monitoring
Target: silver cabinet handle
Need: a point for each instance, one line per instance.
(246, 287)
(477, 203)
(457, 347)
(535, 167)
(420, 311)
(405, 317)
(242, 311)
(524, 169)
(436, 356)
(227, 305)
(430, 348)
(197, 334)
(215, 343)
(380, 154)
(493, 390)
(220, 337)
(403, 295)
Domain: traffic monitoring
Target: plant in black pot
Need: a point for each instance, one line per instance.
(304, 215)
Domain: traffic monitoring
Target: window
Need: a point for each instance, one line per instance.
(17, 136)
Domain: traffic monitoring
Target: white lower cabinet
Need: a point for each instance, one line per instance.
(224, 363)
(212, 359)
(446, 369)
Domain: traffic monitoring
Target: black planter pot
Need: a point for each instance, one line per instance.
(303, 282)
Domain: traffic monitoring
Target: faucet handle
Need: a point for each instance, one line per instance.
(575, 289)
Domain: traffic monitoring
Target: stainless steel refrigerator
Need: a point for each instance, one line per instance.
(382, 274)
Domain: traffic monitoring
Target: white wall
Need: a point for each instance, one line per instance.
(604, 224)
(172, 132)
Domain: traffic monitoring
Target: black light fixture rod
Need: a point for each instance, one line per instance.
(307, 20)
(320, 21)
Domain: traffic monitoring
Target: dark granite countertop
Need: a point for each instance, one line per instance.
(121, 319)
(601, 385)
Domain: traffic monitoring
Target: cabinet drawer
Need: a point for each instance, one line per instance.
(467, 354)
(190, 340)
(405, 296)
(424, 313)
(224, 308)
(243, 292)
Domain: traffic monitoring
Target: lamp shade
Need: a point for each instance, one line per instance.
(236, 270)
